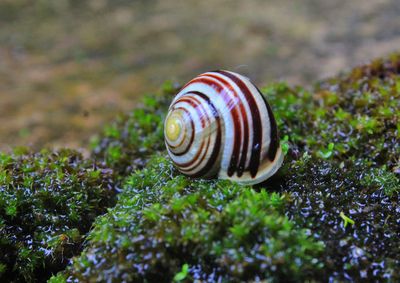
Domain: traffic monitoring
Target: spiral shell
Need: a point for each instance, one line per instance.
(219, 124)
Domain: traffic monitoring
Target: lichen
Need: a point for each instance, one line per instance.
(48, 202)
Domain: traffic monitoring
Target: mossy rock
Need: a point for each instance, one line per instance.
(48, 202)
(329, 214)
(351, 118)
(336, 198)
(216, 230)
(353, 210)
(322, 223)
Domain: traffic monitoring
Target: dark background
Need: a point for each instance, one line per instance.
(68, 67)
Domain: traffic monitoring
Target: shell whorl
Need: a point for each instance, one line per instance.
(219, 124)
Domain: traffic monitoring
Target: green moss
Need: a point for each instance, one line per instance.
(339, 181)
(329, 214)
(354, 211)
(48, 202)
(370, 98)
(128, 142)
(219, 230)
(349, 200)
(356, 112)
(380, 178)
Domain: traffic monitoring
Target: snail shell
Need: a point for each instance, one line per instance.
(219, 124)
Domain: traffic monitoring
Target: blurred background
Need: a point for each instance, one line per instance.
(68, 67)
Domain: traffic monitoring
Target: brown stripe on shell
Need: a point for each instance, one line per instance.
(237, 137)
(257, 126)
(240, 168)
(191, 140)
(183, 139)
(196, 157)
(189, 166)
(191, 137)
(215, 153)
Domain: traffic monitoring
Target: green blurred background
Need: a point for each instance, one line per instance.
(68, 67)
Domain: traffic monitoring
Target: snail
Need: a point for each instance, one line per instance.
(220, 125)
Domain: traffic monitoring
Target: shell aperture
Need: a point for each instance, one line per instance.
(220, 125)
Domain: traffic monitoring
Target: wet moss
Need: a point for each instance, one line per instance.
(366, 115)
(346, 188)
(350, 118)
(167, 226)
(330, 213)
(126, 144)
(48, 201)
(340, 182)
(352, 213)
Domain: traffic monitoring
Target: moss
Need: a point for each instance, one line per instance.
(353, 117)
(346, 188)
(329, 214)
(365, 117)
(167, 226)
(350, 210)
(339, 186)
(48, 202)
(126, 144)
